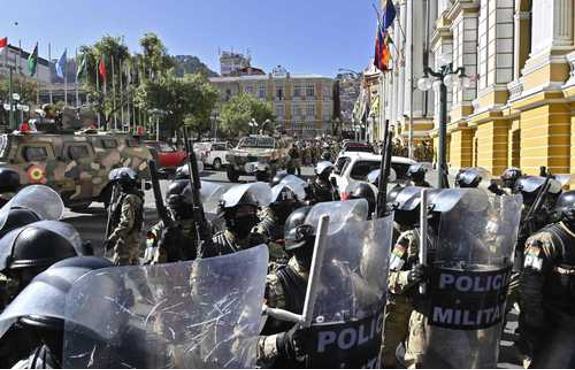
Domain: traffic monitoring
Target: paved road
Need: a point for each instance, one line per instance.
(92, 224)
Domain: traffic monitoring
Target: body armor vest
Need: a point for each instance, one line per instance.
(559, 287)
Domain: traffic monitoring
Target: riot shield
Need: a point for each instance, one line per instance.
(201, 314)
(469, 278)
(41, 199)
(210, 194)
(259, 190)
(294, 183)
(373, 176)
(339, 212)
(346, 329)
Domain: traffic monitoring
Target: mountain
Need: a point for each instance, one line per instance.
(191, 64)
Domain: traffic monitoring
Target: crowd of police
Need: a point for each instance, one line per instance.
(39, 253)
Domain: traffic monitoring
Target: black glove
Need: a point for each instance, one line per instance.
(495, 189)
(256, 238)
(417, 274)
(290, 344)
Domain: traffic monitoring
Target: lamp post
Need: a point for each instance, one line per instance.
(444, 78)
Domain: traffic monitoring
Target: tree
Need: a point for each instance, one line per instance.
(239, 112)
(187, 100)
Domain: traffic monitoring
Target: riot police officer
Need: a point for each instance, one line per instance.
(416, 173)
(362, 190)
(278, 178)
(239, 209)
(321, 189)
(9, 184)
(44, 349)
(548, 291)
(127, 217)
(286, 289)
(33, 248)
(509, 178)
(179, 240)
(469, 178)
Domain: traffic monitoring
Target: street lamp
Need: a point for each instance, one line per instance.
(445, 78)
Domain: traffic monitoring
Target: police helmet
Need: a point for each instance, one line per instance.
(123, 175)
(182, 173)
(278, 178)
(323, 167)
(362, 190)
(565, 206)
(392, 194)
(18, 217)
(416, 172)
(61, 275)
(247, 199)
(38, 245)
(469, 178)
(510, 177)
(297, 233)
(9, 180)
(178, 193)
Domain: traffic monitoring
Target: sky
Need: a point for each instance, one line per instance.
(304, 36)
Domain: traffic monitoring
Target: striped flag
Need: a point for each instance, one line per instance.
(382, 51)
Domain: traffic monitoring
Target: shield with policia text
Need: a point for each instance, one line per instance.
(200, 314)
(347, 324)
(469, 277)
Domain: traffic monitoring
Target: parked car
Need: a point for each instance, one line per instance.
(352, 167)
(167, 157)
(214, 153)
(357, 146)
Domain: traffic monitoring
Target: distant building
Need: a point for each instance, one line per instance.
(231, 62)
(16, 58)
(303, 104)
(349, 86)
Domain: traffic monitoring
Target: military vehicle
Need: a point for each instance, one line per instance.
(258, 155)
(75, 164)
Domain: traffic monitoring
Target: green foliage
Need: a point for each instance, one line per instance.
(239, 111)
(26, 88)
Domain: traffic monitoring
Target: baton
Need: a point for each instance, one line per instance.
(423, 235)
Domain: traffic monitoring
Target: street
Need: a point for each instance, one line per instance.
(92, 226)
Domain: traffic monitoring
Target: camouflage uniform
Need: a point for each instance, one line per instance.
(128, 217)
(273, 231)
(226, 242)
(405, 320)
(285, 289)
(183, 242)
(548, 294)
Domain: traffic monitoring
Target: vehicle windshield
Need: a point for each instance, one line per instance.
(359, 147)
(257, 142)
(362, 168)
(165, 148)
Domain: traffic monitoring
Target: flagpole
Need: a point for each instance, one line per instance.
(37, 75)
(122, 94)
(66, 77)
(98, 88)
(114, 94)
(50, 66)
(77, 94)
(411, 89)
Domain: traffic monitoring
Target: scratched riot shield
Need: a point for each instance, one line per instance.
(346, 329)
(469, 277)
(201, 314)
(40, 199)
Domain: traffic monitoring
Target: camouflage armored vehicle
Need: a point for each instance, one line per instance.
(258, 155)
(75, 164)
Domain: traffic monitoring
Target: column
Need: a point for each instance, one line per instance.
(415, 40)
(559, 14)
(403, 49)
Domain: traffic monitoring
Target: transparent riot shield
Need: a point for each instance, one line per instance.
(346, 329)
(259, 190)
(210, 194)
(201, 314)
(339, 212)
(469, 279)
(40, 199)
(294, 183)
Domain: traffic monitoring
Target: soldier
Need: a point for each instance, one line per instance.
(416, 173)
(402, 323)
(179, 241)
(45, 321)
(9, 184)
(548, 291)
(239, 209)
(509, 178)
(362, 190)
(320, 189)
(295, 160)
(127, 218)
(286, 289)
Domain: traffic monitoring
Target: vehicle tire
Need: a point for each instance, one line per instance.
(233, 176)
(217, 165)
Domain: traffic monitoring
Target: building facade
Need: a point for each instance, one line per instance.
(302, 104)
(520, 54)
(231, 62)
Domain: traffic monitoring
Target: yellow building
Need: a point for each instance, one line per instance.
(303, 104)
(520, 110)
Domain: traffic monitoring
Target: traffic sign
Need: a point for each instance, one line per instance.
(16, 96)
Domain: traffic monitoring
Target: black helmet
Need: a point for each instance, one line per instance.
(178, 193)
(278, 178)
(392, 194)
(18, 217)
(565, 206)
(416, 172)
(326, 156)
(38, 245)
(247, 199)
(468, 178)
(510, 177)
(297, 233)
(182, 173)
(362, 190)
(9, 180)
(123, 175)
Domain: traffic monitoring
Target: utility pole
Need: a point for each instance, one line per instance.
(411, 90)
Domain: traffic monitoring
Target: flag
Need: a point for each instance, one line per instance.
(81, 69)
(3, 42)
(382, 51)
(61, 65)
(33, 61)
(102, 68)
